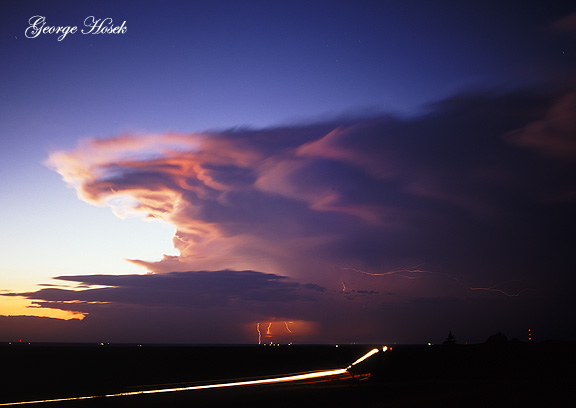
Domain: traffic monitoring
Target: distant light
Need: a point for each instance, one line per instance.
(429, 344)
(336, 345)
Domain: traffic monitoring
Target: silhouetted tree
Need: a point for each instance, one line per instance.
(450, 340)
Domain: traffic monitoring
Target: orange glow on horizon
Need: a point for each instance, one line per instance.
(20, 306)
(282, 331)
(268, 333)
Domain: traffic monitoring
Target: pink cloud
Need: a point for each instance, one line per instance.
(348, 204)
(566, 24)
(555, 133)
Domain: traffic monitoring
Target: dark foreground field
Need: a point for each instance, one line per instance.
(512, 374)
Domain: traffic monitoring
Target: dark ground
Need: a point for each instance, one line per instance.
(510, 374)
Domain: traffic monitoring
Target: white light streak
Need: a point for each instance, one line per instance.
(364, 357)
(276, 380)
(291, 378)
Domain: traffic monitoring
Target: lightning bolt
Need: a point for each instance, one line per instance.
(259, 334)
(493, 289)
(287, 328)
(409, 273)
(415, 272)
(268, 330)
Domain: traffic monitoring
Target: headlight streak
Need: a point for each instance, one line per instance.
(415, 271)
(197, 387)
(365, 356)
(299, 377)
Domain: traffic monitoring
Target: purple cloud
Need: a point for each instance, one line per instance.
(468, 202)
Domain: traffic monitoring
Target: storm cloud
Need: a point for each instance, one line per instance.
(464, 207)
(386, 192)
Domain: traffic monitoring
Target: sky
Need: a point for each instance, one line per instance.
(305, 171)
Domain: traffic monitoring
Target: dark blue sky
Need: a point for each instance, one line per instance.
(400, 157)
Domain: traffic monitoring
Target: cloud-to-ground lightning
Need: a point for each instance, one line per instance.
(416, 272)
(259, 333)
(287, 328)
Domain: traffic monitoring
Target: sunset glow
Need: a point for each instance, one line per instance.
(19, 306)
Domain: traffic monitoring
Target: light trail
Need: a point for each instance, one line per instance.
(276, 380)
(365, 356)
(299, 377)
(415, 272)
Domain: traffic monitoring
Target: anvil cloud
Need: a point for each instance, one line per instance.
(368, 193)
(463, 208)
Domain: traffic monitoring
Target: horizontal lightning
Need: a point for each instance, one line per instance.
(415, 273)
